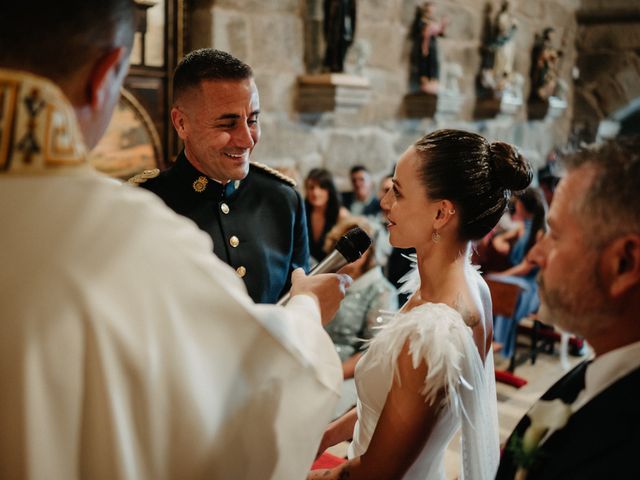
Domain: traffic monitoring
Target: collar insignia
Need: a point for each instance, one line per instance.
(200, 184)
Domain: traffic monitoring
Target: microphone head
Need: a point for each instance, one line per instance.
(353, 244)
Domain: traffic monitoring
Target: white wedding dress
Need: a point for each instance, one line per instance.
(437, 334)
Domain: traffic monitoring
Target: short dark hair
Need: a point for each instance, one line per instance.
(477, 176)
(207, 64)
(55, 39)
(611, 202)
(358, 168)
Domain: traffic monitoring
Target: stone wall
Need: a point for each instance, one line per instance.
(608, 48)
(279, 38)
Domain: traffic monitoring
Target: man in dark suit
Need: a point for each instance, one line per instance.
(252, 212)
(589, 285)
(362, 200)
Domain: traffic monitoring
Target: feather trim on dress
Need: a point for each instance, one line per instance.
(438, 336)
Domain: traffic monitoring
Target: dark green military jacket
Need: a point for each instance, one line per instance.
(258, 224)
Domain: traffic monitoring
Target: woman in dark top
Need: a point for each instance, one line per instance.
(323, 207)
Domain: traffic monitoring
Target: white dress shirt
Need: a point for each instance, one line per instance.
(607, 369)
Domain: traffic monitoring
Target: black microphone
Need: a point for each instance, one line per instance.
(349, 248)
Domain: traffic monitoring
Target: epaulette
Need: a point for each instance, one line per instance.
(144, 176)
(275, 173)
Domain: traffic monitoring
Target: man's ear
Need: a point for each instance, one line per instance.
(104, 68)
(621, 265)
(179, 120)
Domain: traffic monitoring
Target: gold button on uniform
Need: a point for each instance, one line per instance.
(241, 271)
(234, 241)
(224, 207)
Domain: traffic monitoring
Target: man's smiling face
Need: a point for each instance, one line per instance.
(218, 122)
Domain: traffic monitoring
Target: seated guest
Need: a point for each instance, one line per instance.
(531, 208)
(323, 209)
(548, 177)
(363, 308)
(383, 247)
(393, 260)
(362, 200)
(586, 425)
(530, 211)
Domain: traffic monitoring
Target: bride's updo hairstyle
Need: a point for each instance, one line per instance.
(475, 175)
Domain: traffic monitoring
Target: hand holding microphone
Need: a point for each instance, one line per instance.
(329, 289)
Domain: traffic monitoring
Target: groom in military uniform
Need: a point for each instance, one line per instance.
(587, 426)
(252, 212)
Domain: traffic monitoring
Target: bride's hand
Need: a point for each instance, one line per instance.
(326, 442)
(317, 474)
(338, 431)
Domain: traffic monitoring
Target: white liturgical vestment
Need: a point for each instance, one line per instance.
(127, 350)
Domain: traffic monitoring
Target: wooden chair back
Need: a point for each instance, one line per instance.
(504, 297)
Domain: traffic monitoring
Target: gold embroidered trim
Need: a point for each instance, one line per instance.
(144, 176)
(275, 173)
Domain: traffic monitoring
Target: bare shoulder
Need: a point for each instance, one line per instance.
(468, 310)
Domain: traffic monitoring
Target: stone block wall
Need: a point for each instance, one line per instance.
(607, 93)
(280, 39)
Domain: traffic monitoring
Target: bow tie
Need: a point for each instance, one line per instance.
(568, 389)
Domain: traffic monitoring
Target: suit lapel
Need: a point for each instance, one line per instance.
(603, 423)
(563, 388)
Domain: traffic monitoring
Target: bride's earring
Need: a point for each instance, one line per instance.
(435, 236)
(452, 212)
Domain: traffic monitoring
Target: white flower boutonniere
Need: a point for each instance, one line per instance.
(546, 417)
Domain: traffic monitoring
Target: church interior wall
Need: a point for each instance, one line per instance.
(281, 40)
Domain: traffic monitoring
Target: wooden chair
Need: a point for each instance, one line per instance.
(504, 298)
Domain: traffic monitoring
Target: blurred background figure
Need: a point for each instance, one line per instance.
(363, 309)
(383, 247)
(323, 208)
(548, 178)
(362, 200)
(514, 245)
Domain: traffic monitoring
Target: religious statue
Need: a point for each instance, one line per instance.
(500, 52)
(425, 31)
(504, 44)
(544, 66)
(339, 31)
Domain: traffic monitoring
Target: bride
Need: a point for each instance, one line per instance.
(429, 371)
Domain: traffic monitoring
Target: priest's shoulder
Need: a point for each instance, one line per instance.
(266, 171)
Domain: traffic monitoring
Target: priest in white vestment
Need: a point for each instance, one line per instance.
(127, 350)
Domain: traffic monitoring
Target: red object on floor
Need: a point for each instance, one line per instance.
(327, 460)
(509, 378)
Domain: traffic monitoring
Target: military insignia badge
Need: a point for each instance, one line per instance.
(200, 184)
